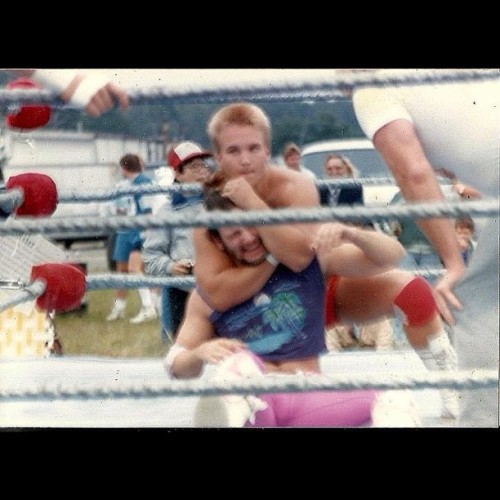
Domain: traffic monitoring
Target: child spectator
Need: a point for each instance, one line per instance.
(465, 229)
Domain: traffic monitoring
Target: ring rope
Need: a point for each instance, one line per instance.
(29, 293)
(287, 85)
(11, 199)
(14, 197)
(219, 218)
(148, 189)
(300, 86)
(106, 281)
(269, 384)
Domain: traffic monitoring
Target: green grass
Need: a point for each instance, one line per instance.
(89, 334)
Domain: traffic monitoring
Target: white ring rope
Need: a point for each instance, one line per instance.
(106, 281)
(148, 189)
(219, 218)
(11, 199)
(223, 85)
(14, 197)
(269, 384)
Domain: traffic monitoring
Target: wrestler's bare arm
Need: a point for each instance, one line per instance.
(344, 250)
(289, 243)
(400, 147)
(224, 284)
(196, 342)
(95, 93)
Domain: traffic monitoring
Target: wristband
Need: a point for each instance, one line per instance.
(58, 79)
(87, 88)
(168, 362)
(271, 260)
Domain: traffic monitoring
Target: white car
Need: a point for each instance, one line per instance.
(369, 163)
(363, 156)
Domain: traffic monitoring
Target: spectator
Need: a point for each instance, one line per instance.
(291, 157)
(339, 167)
(420, 254)
(128, 243)
(465, 191)
(169, 251)
(465, 228)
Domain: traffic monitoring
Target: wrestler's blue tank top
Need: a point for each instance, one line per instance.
(285, 320)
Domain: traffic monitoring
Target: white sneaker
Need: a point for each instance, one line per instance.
(231, 410)
(145, 315)
(395, 409)
(116, 313)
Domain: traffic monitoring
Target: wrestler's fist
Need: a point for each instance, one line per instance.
(241, 193)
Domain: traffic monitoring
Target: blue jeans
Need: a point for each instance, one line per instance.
(166, 315)
(415, 261)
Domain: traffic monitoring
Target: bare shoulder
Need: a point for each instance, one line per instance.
(293, 188)
(201, 238)
(197, 305)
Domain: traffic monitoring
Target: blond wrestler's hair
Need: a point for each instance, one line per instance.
(240, 113)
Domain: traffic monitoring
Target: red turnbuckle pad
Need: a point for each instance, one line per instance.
(65, 286)
(29, 116)
(39, 192)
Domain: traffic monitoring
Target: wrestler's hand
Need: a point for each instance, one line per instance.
(104, 99)
(182, 267)
(94, 92)
(217, 350)
(444, 296)
(96, 95)
(330, 235)
(241, 193)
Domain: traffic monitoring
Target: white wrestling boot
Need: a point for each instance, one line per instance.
(441, 355)
(231, 410)
(396, 408)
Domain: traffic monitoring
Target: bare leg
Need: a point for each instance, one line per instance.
(148, 311)
(118, 309)
(364, 300)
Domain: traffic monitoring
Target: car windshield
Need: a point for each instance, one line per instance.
(367, 161)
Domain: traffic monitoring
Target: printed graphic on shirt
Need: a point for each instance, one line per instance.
(269, 322)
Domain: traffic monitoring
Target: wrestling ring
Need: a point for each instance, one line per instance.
(86, 392)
